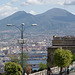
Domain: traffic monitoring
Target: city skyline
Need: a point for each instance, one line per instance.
(8, 7)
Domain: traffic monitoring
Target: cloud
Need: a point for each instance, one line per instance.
(41, 2)
(32, 12)
(32, 2)
(6, 10)
(70, 2)
(11, 2)
(73, 13)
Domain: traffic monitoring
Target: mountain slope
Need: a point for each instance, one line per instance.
(55, 21)
(58, 14)
(18, 18)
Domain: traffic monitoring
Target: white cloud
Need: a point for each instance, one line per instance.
(32, 12)
(39, 2)
(6, 10)
(12, 1)
(24, 4)
(73, 13)
(32, 2)
(70, 2)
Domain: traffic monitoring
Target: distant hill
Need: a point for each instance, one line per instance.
(54, 21)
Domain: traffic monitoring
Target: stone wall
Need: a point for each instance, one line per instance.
(63, 41)
(50, 54)
(67, 42)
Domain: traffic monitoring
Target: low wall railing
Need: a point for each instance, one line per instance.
(54, 70)
(44, 72)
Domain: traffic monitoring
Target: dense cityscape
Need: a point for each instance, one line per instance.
(37, 37)
(35, 48)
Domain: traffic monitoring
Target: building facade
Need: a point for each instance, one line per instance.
(66, 42)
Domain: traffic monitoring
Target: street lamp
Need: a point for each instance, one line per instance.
(21, 41)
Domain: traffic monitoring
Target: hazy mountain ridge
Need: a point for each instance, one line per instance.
(54, 21)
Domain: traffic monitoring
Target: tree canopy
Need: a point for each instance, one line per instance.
(12, 68)
(62, 58)
(42, 66)
(73, 57)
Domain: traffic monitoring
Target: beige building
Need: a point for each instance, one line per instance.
(66, 42)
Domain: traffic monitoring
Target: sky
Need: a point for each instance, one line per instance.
(8, 7)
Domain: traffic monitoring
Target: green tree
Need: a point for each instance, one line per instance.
(17, 60)
(12, 68)
(62, 58)
(42, 66)
(73, 58)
